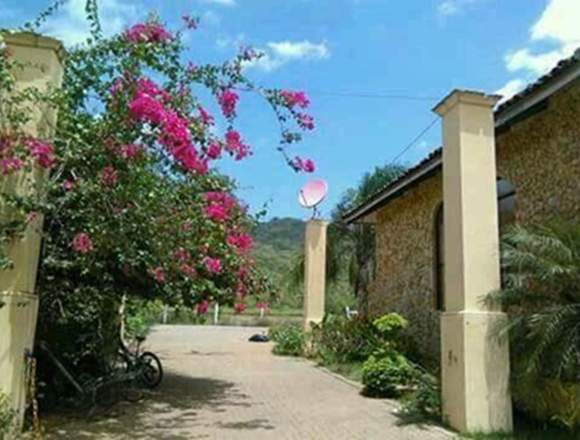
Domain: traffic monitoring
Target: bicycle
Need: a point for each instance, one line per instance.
(88, 392)
(145, 365)
(121, 379)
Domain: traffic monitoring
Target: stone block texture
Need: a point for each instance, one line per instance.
(539, 154)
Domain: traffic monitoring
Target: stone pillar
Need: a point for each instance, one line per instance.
(314, 271)
(474, 361)
(41, 60)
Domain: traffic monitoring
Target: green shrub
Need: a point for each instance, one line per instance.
(289, 340)
(386, 373)
(141, 316)
(6, 416)
(390, 325)
(343, 340)
(424, 403)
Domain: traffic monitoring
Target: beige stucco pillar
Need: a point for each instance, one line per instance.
(314, 271)
(41, 60)
(474, 360)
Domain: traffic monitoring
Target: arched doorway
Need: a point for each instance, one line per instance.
(506, 209)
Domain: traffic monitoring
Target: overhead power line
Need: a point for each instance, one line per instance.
(415, 140)
(370, 95)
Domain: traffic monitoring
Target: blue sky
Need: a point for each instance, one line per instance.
(351, 57)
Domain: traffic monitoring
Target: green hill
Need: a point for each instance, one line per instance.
(278, 241)
(285, 234)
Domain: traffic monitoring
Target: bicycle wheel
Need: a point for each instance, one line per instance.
(151, 370)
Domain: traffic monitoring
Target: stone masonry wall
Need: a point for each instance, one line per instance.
(404, 276)
(539, 155)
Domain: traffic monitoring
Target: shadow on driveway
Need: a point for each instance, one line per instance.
(170, 412)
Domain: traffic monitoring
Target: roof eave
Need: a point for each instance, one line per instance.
(503, 116)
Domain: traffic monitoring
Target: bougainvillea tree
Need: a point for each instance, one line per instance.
(133, 205)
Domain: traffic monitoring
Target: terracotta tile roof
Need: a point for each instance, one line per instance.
(432, 162)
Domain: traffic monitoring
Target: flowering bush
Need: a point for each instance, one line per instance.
(133, 205)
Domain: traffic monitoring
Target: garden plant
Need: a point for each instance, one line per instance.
(541, 291)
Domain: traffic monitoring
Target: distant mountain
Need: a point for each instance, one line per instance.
(285, 234)
(278, 242)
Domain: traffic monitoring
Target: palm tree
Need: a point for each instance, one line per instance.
(350, 248)
(541, 268)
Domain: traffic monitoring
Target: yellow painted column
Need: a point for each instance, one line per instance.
(41, 60)
(474, 361)
(314, 271)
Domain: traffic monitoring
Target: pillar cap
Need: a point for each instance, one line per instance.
(32, 39)
(319, 221)
(469, 97)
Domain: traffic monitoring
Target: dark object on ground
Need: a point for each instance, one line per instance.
(259, 338)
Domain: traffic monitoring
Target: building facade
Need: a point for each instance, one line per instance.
(538, 169)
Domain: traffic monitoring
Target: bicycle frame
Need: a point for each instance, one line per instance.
(44, 347)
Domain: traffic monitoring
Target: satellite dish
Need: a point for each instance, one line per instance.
(312, 194)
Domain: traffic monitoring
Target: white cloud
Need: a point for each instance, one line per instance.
(452, 7)
(277, 54)
(221, 2)
(560, 21)
(70, 25)
(511, 88)
(558, 27)
(298, 50)
(536, 64)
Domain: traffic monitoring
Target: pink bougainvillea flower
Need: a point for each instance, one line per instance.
(43, 152)
(188, 270)
(109, 176)
(146, 108)
(262, 305)
(228, 100)
(203, 307)
(214, 150)
(82, 243)
(68, 185)
(181, 254)
(212, 265)
(159, 274)
(222, 198)
(235, 146)
(308, 166)
(145, 86)
(295, 99)
(10, 165)
(130, 151)
(243, 273)
(218, 213)
(242, 242)
(240, 307)
(305, 121)
(205, 117)
(147, 33)
(300, 164)
(175, 133)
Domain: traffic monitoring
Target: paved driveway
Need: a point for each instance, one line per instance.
(219, 386)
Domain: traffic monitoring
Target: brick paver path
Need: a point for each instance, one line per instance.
(220, 386)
